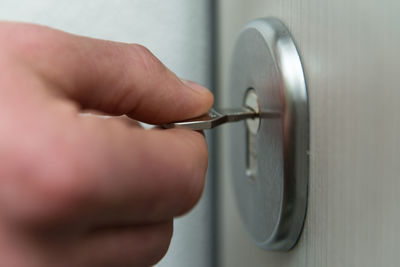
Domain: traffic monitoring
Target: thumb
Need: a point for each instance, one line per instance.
(171, 99)
(111, 77)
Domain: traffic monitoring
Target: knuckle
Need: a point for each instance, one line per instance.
(142, 50)
(64, 182)
(147, 61)
(52, 186)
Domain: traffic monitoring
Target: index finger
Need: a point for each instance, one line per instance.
(142, 175)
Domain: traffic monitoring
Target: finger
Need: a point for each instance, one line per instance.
(112, 173)
(121, 246)
(151, 175)
(112, 77)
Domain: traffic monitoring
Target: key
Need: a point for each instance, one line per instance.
(216, 117)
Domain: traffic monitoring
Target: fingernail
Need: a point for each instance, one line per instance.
(195, 86)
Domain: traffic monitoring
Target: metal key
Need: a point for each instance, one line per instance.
(213, 118)
(216, 117)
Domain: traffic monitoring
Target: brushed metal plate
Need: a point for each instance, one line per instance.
(273, 203)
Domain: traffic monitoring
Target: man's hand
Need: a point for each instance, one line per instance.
(84, 190)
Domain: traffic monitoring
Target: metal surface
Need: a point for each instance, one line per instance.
(214, 118)
(272, 201)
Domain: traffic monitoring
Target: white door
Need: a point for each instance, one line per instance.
(350, 53)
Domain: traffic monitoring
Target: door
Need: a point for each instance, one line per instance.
(350, 54)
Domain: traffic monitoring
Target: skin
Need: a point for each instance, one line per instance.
(87, 190)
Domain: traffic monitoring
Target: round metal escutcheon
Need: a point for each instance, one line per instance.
(273, 201)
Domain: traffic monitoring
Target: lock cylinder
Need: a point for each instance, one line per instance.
(269, 160)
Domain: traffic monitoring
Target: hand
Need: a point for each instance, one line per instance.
(85, 190)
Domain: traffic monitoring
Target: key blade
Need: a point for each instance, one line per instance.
(209, 120)
(213, 118)
(238, 114)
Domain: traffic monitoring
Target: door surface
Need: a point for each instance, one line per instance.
(350, 53)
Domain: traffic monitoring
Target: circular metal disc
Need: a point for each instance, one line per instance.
(273, 204)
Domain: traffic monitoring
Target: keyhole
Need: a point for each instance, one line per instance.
(252, 125)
